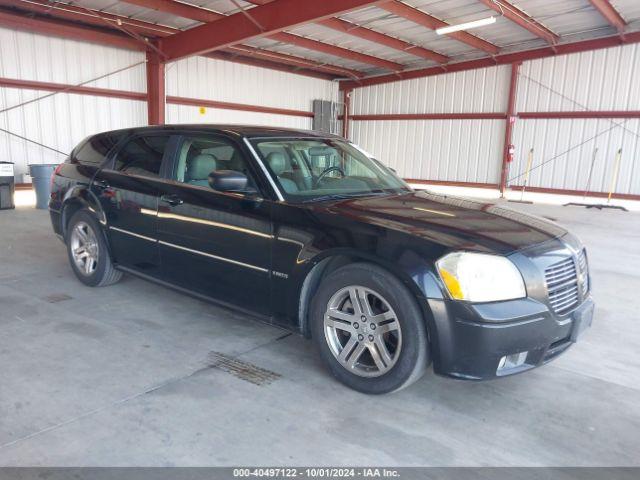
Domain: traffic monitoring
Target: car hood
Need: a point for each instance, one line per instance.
(455, 222)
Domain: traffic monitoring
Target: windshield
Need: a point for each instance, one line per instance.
(309, 170)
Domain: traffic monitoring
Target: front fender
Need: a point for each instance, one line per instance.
(413, 271)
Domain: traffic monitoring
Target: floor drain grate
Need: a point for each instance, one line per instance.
(57, 297)
(242, 370)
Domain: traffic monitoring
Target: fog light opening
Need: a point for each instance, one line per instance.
(509, 362)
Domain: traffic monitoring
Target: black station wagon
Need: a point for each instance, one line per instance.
(307, 231)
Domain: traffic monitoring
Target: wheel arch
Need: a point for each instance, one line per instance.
(81, 198)
(326, 262)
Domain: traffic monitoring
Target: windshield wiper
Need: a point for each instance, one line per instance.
(343, 196)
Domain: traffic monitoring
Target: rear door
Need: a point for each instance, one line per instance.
(128, 191)
(215, 243)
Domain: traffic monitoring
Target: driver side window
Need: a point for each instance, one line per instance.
(199, 156)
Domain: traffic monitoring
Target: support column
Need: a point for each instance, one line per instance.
(346, 100)
(507, 154)
(156, 100)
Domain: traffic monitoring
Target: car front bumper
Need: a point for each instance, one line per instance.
(472, 340)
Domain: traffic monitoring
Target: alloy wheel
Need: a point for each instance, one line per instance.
(84, 248)
(362, 331)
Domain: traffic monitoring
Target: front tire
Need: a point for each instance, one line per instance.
(369, 330)
(88, 253)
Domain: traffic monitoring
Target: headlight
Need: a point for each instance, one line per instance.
(478, 277)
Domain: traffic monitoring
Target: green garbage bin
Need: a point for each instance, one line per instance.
(41, 178)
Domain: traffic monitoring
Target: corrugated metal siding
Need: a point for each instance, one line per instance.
(199, 77)
(563, 152)
(452, 150)
(62, 120)
(597, 80)
(472, 150)
(481, 90)
(28, 56)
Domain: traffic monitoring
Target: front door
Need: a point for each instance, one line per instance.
(128, 193)
(215, 243)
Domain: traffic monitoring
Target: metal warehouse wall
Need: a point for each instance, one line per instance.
(597, 80)
(471, 150)
(210, 79)
(452, 150)
(62, 120)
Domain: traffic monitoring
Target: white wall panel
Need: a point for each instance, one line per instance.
(472, 150)
(210, 79)
(62, 120)
(28, 56)
(563, 152)
(598, 80)
(452, 150)
(478, 91)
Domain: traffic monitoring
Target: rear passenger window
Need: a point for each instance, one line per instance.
(142, 155)
(96, 149)
(199, 156)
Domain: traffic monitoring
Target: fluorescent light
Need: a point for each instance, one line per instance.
(466, 26)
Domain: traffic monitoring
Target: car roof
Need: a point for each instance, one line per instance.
(248, 131)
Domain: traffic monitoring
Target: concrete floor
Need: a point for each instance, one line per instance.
(121, 376)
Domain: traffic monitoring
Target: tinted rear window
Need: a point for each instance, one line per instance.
(95, 150)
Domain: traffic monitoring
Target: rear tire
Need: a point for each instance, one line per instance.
(88, 253)
(369, 330)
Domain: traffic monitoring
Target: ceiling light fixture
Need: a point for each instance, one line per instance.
(466, 26)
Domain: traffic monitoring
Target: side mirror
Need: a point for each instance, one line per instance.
(227, 181)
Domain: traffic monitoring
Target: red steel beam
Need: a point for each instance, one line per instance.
(270, 63)
(335, 50)
(140, 96)
(346, 112)
(609, 12)
(503, 59)
(265, 59)
(519, 17)
(588, 114)
(507, 150)
(208, 16)
(375, 37)
(299, 62)
(382, 39)
(198, 102)
(65, 29)
(156, 96)
(237, 28)
(79, 90)
(426, 20)
(429, 116)
(101, 19)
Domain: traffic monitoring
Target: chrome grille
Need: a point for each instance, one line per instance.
(584, 270)
(562, 285)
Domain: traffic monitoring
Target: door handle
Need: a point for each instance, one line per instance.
(171, 200)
